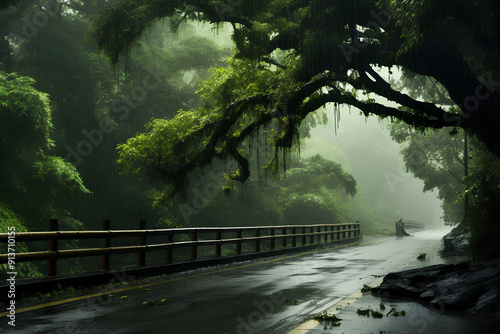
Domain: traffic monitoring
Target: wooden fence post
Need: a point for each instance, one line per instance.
(257, 242)
(294, 239)
(106, 243)
(284, 238)
(311, 237)
(194, 248)
(168, 256)
(238, 244)
(272, 239)
(142, 242)
(218, 247)
(52, 263)
(304, 236)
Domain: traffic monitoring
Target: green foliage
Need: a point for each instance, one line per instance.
(22, 106)
(156, 79)
(459, 22)
(316, 172)
(9, 218)
(293, 43)
(115, 27)
(153, 303)
(376, 314)
(364, 313)
(366, 288)
(312, 192)
(7, 3)
(482, 192)
(329, 318)
(281, 72)
(379, 315)
(396, 312)
(9, 221)
(35, 184)
(192, 139)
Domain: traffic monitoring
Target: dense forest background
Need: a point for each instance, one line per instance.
(64, 110)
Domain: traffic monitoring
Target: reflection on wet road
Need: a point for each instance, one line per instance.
(267, 296)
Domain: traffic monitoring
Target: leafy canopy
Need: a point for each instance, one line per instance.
(293, 57)
(482, 192)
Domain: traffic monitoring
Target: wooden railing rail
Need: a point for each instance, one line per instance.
(320, 233)
(413, 225)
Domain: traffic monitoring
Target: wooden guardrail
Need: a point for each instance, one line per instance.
(412, 225)
(303, 234)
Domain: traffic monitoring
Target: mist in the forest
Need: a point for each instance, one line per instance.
(365, 149)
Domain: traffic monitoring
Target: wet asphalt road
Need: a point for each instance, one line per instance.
(267, 296)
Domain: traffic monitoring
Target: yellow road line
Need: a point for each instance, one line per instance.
(311, 324)
(107, 292)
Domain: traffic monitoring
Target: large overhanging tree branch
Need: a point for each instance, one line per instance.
(294, 57)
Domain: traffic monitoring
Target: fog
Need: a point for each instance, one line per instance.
(365, 149)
